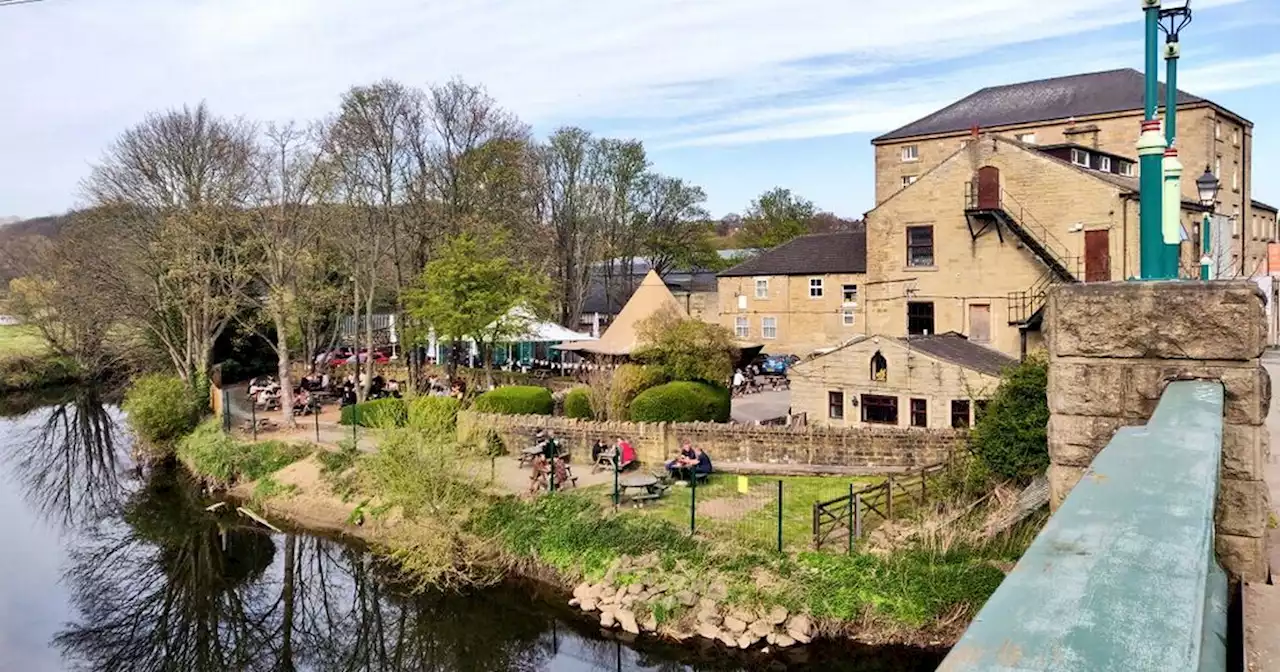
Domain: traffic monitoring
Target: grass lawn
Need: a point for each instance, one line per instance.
(20, 340)
(750, 519)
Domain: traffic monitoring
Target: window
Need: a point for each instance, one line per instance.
(846, 316)
(815, 288)
(1080, 157)
(920, 318)
(849, 294)
(1104, 164)
(1235, 137)
(1217, 167)
(835, 405)
(1029, 138)
(769, 327)
(742, 303)
(919, 413)
(1126, 168)
(911, 153)
(1217, 129)
(879, 368)
(960, 413)
(762, 288)
(741, 327)
(879, 410)
(1255, 226)
(919, 245)
(1235, 177)
(908, 180)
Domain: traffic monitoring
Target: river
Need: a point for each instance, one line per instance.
(106, 567)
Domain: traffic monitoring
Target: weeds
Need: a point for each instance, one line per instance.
(269, 487)
(224, 461)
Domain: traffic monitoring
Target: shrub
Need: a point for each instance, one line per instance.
(30, 373)
(434, 414)
(222, 460)
(629, 380)
(687, 349)
(682, 401)
(379, 413)
(1010, 437)
(577, 404)
(516, 400)
(162, 408)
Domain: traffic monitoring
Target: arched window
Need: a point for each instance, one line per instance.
(879, 368)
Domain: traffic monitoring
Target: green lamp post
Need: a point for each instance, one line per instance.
(1171, 21)
(1151, 146)
(1207, 186)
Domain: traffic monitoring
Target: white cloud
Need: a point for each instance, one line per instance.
(711, 71)
(1232, 75)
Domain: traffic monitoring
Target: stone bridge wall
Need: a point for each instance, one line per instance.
(870, 448)
(1114, 346)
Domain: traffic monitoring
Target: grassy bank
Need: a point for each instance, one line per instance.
(427, 502)
(26, 363)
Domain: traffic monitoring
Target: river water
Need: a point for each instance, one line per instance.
(105, 567)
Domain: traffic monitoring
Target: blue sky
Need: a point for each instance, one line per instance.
(737, 96)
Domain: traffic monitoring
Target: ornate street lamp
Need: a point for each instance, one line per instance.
(1207, 185)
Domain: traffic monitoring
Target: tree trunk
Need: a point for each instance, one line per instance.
(282, 369)
(368, 344)
(486, 351)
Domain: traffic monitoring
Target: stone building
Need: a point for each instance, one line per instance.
(1095, 117)
(932, 381)
(799, 296)
(1263, 229)
(972, 245)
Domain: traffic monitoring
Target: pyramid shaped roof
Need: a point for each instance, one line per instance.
(622, 337)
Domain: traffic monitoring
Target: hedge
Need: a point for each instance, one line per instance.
(434, 414)
(516, 400)
(161, 409)
(577, 404)
(380, 413)
(629, 380)
(682, 402)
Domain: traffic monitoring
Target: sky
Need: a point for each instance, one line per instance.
(737, 96)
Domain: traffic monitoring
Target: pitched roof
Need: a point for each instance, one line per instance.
(815, 254)
(957, 349)
(1264, 206)
(650, 298)
(1041, 100)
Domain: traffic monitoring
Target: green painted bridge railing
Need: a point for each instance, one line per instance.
(1123, 576)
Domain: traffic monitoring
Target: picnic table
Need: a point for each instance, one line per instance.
(528, 455)
(641, 487)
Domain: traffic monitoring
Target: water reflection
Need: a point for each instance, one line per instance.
(153, 581)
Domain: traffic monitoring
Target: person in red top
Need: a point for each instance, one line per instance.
(626, 453)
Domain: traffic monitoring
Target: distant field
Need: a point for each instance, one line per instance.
(20, 340)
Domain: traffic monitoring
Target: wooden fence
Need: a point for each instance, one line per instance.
(844, 518)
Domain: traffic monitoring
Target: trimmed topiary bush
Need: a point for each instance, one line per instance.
(379, 413)
(161, 409)
(434, 414)
(516, 400)
(628, 381)
(577, 404)
(1010, 437)
(682, 401)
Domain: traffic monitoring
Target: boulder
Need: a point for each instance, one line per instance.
(708, 616)
(800, 623)
(728, 640)
(635, 588)
(718, 591)
(587, 604)
(735, 625)
(783, 641)
(580, 591)
(617, 596)
(687, 598)
(627, 619)
(706, 603)
(657, 589)
(650, 624)
(607, 619)
(627, 600)
(744, 615)
(776, 615)
(745, 640)
(761, 628)
(708, 630)
(573, 602)
(799, 637)
(769, 638)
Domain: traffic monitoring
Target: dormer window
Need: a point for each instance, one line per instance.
(1080, 157)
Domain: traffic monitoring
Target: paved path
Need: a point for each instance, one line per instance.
(761, 406)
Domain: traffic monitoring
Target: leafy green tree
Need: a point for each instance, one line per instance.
(776, 217)
(474, 290)
(687, 349)
(675, 231)
(1010, 438)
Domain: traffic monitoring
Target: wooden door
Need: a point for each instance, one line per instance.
(988, 188)
(1097, 256)
(980, 322)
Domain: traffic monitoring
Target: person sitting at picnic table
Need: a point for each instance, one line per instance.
(625, 455)
(686, 468)
(550, 447)
(538, 477)
(685, 459)
(349, 397)
(598, 448)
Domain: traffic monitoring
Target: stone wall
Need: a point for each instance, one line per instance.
(886, 449)
(1114, 346)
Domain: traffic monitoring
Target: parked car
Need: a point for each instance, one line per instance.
(777, 365)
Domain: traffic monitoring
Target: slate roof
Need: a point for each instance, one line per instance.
(815, 254)
(1041, 100)
(957, 349)
(1264, 206)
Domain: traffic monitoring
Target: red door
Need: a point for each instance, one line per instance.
(1097, 256)
(988, 188)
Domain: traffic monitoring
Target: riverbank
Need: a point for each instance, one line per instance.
(452, 525)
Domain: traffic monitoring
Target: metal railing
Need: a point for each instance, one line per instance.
(1057, 251)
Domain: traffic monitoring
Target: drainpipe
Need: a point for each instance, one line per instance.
(1151, 146)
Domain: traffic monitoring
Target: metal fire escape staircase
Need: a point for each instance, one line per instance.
(1004, 213)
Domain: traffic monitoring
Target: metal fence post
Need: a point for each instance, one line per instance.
(253, 417)
(355, 426)
(226, 411)
(779, 515)
(924, 489)
(551, 476)
(889, 492)
(316, 415)
(852, 515)
(857, 515)
(616, 495)
(693, 504)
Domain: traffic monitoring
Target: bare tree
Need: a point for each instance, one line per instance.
(573, 201)
(623, 164)
(675, 230)
(167, 235)
(288, 216)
